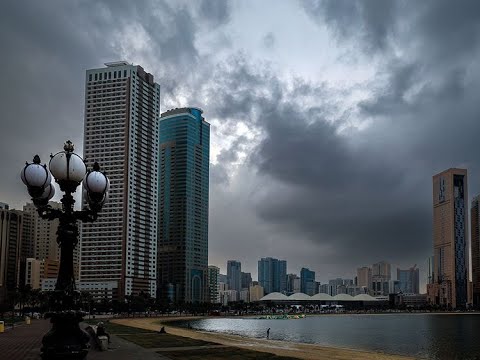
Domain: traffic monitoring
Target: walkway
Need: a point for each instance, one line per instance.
(24, 343)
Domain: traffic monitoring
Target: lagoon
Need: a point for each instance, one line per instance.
(427, 336)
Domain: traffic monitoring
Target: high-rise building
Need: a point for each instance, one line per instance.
(246, 280)
(364, 277)
(222, 278)
(475, 243)
(293, 284)
(10, 248)
(213, 273)
(409, 280)
(450, 251)
(272, 275)
(381, 276)
(256, 292)
(307, 282)
(32, 273)
(234, 275)
(183, 205)
(121, 129)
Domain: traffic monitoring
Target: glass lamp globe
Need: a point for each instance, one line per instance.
(48, 193)
(66, 166)
(35, 175)
(96, 182)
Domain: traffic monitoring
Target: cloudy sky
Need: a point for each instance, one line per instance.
(329, 118)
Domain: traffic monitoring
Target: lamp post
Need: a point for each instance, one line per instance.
(65, 340)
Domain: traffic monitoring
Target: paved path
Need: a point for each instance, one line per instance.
(24, 343)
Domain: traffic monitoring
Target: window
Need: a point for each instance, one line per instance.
(100, 76)
(124, 73)
(96, 77)
(89, 77)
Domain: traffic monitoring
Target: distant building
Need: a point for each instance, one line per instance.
(183, 204)
(32, 273)
(475, 229)
(4, 206)
(381, 276)
(307, 281)
(234, 275)
(246, 280)
(364, 277)
(213, 273)
(293, 284)
(10, 248)
(228, 296)
(450, 250)
(256, 293)
(244, 295)
(272, 275)
(409, 280)
(222, 278)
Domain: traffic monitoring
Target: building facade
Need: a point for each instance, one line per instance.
(307, 281)
(450, 234)
(475, 243)
(213, 273)
(246, 280)
(272, 275)
(364, 278)
(11, 226)
(121, 128)
(293, 284)
(183, 205)
(381, 276)
(234, 275)
(409, 280)
(256, 292)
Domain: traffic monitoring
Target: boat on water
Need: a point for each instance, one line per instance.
(282, 317)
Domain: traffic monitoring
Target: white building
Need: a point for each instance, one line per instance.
(122, 106)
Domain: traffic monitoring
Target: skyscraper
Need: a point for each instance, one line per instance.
(183, 205)
(381, 276)
(307, 281)
(364, 277)
(293, 284)
(450, 251)
(213, 273)
(475, 229)
(409, 280)
(246, 280)
(121, 129)
(234, 275)
(272, 275)
(10, 248)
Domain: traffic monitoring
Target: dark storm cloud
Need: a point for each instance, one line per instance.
(373, 20)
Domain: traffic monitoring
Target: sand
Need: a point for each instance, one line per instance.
(298, 350)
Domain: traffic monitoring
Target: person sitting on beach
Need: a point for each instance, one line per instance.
(162, 330)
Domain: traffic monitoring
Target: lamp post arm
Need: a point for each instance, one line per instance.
(86, 215)
(48, 213)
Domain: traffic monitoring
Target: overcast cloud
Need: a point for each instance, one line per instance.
(329, 118)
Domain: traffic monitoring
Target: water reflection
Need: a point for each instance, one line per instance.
(436, 337)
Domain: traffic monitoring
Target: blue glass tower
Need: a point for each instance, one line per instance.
(272, 275)
(307, 281)
(183, 206)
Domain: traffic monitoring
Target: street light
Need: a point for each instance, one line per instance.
(65, 340)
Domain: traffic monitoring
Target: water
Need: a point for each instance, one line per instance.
(430, 336)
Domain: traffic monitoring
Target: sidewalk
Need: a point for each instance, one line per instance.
(24, 343)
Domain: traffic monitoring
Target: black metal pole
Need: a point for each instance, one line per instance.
(66, 340)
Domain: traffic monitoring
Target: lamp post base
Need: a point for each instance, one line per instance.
(65, 340)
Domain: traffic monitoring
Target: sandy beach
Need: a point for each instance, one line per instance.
(298, 350)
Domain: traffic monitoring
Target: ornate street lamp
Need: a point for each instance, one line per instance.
(65, 340)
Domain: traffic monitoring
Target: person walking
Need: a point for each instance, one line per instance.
(268, 333)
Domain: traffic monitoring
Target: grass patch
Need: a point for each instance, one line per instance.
(156, 340)
(231, 353)
(114, 329)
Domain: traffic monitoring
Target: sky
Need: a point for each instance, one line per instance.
(328, 118)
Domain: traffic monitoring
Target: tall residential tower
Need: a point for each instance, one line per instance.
(183, 206)
(475, 221)
(450, 229)
(122, 106)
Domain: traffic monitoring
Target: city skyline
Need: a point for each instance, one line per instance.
(323, 146)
